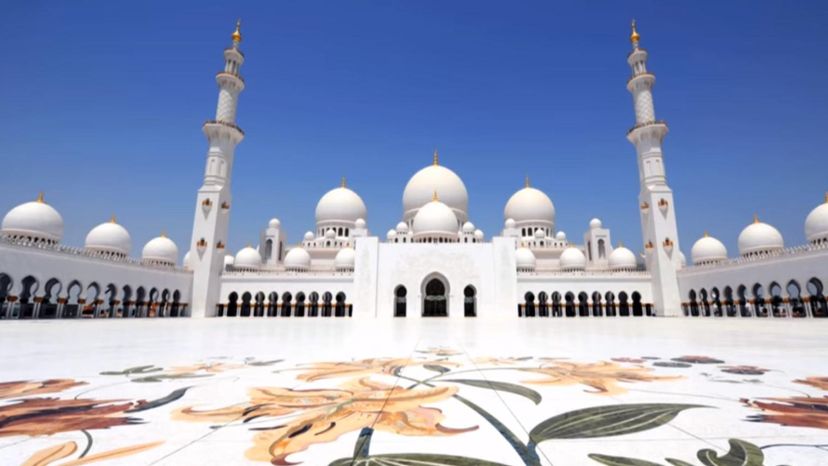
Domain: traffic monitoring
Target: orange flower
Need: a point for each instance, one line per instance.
(799, 411)
(27, 387)
(818, 382)
(49, 455)
(208, 367)
(323, 415)
(329, 370)
(47, 416)
(603, 377)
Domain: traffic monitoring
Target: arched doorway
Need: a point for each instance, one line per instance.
(529, 304)
(399, 301)
(470, 301)
(435, 298)
(816, 298)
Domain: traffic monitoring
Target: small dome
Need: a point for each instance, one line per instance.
(708, 250)
(622, 259)
(186, 262)
(109, 237)
(297, 259)
(360, 223)
(435, 218)
(330, 233)
(247, 259)
(468, 227)
(424, 183)
(402, 227)
(573, 258)
(274, 223)
(36, 220)
(816, 224)
(391, 235)
(539, 234)
(345, 259)
(525, 259)
(682, 259)
(759, 237)
(229, 259)
(560, 236)
(530, 205)
(595, 223)
(340, 205)
(510, 223)
(478, 235)
(309, 236)
(160, 250)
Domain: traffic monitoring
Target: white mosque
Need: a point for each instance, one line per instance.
(433, 263)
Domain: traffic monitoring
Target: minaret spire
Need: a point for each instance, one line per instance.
(658, 225)
(212, 211)
(436, 158)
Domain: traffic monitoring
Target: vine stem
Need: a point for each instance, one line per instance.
(529, 456)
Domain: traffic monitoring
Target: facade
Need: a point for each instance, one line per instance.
(433, 263)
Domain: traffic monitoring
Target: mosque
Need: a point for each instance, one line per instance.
(433, 263)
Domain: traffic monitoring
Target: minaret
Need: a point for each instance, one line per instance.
(212, 212)
(658, 218)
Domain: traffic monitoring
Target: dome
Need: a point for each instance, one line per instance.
(530, 205)
(437, 178)
(573, 259)
(759, 237)
(478, 235)
(360, 223)
(468, 227)
(330, 233)
(274, 223)
(622, 259)
(595, 223)
(160, 250)
(345, 259)
(435, 218)
(708, 249)
(186, 262)
(35, 219)
(816, 224)
(229, 259)
(524, 259)
(340, 205)
(391, 235)
(109, 237)
(309, 236)
(247, 259)
(402, 227)
(539, 234)
(509, 223)
(560, 236)
(297, 259)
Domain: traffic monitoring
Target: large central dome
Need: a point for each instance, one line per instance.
(435, 178)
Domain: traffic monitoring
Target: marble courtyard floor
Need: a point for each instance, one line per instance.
(638, 392)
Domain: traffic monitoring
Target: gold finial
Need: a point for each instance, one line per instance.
(634, 36)
(40, 199)
(826, 197)
(342, 184)
(113, 219)
(237, 33)
(436, 157)
(755, 218)
(249, 245)
(706, 234)
(163, 233)
(434, 196)
(526, 182)
(620, 244)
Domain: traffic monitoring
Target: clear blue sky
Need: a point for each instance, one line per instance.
(102, 106)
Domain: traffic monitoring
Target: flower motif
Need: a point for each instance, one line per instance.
(323, 415)
(818, 382)
(494, 361)
(441, 351)
(744, 370)
(330, 370)
(800, 411)
(21, 388)
(628, 360)
(47, 416)
(51, 454)
(699, 360)
(603, 376)
(204, 367)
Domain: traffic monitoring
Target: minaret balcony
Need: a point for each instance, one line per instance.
(661, 124)
(649, 76)
(222, 124)
(225, 73)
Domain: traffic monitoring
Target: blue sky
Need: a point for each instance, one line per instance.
(102, 106)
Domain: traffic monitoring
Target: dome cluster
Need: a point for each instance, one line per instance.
(340, 210)
(435, 178)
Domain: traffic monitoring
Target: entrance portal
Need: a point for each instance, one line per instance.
(435, 299)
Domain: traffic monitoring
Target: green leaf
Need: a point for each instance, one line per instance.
(606, 421)
(501, 386)
(413, 459)
(675, 462)
(145, 405)
(741, 453)
(264, 363)
(437, 368)
(620, 461)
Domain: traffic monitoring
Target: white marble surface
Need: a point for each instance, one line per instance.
(81, 350)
